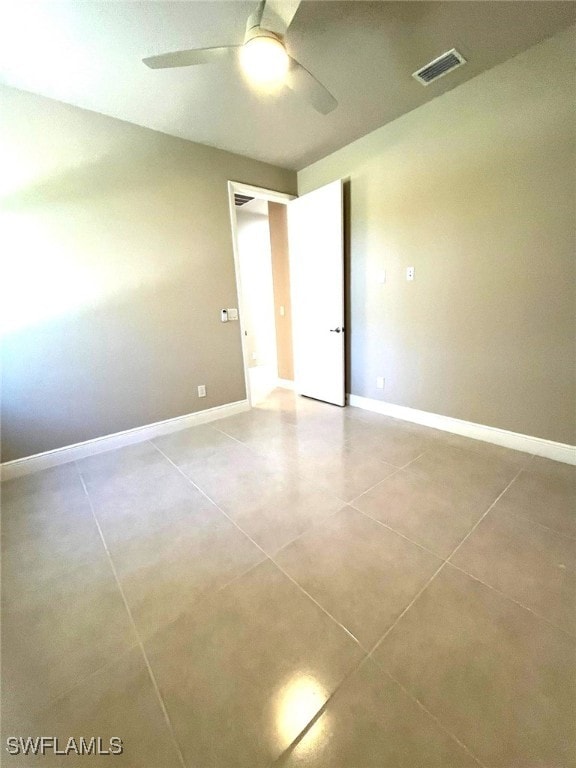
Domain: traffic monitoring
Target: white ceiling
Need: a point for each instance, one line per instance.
(89, 54)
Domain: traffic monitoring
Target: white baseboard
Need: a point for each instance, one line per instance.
(518, 442)
(28, 464)
(286, 384)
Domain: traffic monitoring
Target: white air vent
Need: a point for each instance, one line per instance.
(439, 67)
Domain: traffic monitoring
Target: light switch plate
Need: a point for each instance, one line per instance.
(409, 273)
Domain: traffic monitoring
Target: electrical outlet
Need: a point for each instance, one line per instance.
(380, 382)
(202, 390)
(409, 273)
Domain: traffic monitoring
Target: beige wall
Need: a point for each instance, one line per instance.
(476, 190)
(277, 217)
(116, 260)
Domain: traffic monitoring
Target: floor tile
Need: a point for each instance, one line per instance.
(166, 572)
(118, 701)
(280, 511)
(236, 471)
(53, 636)
(392, 445)
(243, 672)
(125, 464)
(337, 428)
(360, 572)
(62, 481)
(496, 676)
(371, 723)
(45, 533)
(557, 469)
(546, 494)
(190, 444)
(346, 472)
(244, 657)
(131, 509)
(435, 515)
(292, 452)
(481, 477)
(518, 459)
(257, 422)
(526, 561)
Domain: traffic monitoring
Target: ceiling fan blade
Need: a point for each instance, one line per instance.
(255, 18)
(278, 14)
(189, 58)
(303, 82)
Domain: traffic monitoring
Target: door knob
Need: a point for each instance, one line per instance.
(336, 330)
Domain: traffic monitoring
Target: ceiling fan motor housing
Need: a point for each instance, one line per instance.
(257, 31)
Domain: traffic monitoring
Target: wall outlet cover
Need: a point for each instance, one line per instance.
(202, 390)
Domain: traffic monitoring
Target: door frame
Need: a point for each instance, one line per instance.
(272, 196)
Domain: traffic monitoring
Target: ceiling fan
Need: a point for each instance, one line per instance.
(263, 55)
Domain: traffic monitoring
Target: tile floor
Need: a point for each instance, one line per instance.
(299, 586)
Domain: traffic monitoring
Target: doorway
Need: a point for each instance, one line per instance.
(260, 234)
(290, 280)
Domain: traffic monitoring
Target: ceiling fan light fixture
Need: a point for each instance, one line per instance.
(264, 59)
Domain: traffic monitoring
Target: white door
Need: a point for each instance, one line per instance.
(316, 240)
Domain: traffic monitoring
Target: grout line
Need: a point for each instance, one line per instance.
(410, 604)
(312, 527)
(393, 530)
(208, 595)
(134, 628)
(529, 520)
(301, 588)
(429, 713)
(247, 445)
(391, 627)
(82, 682)
(415, 459)
(513, 600)
(547, 528)
(371, 488)
(268, 557)
(477, 523)
(394, 467)
(285, 754)
(262, 455)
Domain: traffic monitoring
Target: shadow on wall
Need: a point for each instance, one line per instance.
(103, 369)
(114, 173)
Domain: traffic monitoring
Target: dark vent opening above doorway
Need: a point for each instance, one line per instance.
(439, 67)
(241, 199)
